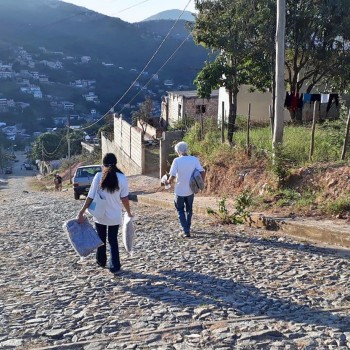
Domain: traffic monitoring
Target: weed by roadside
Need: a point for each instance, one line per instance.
(239, 216)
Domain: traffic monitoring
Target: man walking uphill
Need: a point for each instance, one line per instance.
(182, 169)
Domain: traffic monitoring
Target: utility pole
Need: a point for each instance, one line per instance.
(279, 76)
(68, 142)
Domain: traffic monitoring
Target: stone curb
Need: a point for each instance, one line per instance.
(311, 230)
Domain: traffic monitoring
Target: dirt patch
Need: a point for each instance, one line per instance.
(325, 183)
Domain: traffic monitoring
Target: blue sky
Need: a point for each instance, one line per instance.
(133, 10)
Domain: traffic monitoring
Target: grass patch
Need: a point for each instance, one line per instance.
(338, 206)
(296, 142)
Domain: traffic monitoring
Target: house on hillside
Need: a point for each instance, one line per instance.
(327, 105)
(179, 105)
(259, 104)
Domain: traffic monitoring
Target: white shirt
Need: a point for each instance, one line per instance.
(183, 168)
(113, 214)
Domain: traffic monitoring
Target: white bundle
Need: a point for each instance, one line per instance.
(128, 233)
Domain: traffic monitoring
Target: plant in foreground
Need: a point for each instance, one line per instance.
(239, 216)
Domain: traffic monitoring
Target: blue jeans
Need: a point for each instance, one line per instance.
(101, 255)
(184, 207)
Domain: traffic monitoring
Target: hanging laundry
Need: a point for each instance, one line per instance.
(301, 101)
(324, 98)
(287, 100)
(307, 98)
(315, 97)
(333, 98)
(294, 101)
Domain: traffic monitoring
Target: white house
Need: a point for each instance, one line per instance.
(68, 105)
(259, 102)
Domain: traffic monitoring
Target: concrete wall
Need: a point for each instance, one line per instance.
(151, 131)
(170, 138)
(260, 102)
(179, 107)
(127, 146)
(87, 146)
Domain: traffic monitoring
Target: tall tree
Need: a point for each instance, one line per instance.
(227, 28)
(317, 45)
(143, 115)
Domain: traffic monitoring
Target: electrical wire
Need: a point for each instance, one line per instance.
(145, 67)
(165, 63)
(130, 7)
(47, 153)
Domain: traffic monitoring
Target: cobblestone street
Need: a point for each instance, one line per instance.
(228, 287)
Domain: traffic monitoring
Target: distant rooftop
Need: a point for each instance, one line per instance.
(192, 93)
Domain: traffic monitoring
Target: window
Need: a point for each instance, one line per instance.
(179, 110)
(200, 109)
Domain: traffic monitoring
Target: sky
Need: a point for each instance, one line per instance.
(133, 10)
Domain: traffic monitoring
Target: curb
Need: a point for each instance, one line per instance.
(167, 202)
(324, 231)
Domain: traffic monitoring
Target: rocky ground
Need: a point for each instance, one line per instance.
(227, 287)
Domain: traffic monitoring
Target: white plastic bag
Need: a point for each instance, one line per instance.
(128, 233)
(83, 237)
(163, 179)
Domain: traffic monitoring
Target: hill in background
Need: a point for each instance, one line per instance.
(68, 32)
(171, 15)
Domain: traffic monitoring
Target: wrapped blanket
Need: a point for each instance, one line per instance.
(82, 237)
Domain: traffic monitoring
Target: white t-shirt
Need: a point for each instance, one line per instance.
(183, 167)
(113, 215)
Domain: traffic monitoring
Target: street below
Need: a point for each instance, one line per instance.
(228, 287)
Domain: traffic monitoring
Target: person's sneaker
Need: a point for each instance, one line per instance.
(184, 235)
(117, 273)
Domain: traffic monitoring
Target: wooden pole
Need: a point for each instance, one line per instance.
(248, 131)
(346, 139)
(313, 132)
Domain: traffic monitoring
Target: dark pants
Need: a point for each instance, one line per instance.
(101, 255)
(184, 206)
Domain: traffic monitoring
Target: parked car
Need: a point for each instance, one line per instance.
(82, 179)
(8, 170)
(28, 166)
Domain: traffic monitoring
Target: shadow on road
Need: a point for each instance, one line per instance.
(193, 289)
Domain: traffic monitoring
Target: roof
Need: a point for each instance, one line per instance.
(89, 166)
(192, 93)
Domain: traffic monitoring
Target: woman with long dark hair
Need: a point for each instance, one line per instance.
(112, 185)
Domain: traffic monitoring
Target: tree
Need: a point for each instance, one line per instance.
(317, 45)
(228, 29)
(48, 146)
(143, 115)
(53, 145)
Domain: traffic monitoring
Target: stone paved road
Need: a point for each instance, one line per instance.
(226, 288)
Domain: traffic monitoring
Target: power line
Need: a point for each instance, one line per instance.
(46, 153)
(165, 63)
(130, 7)
(147, 64)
